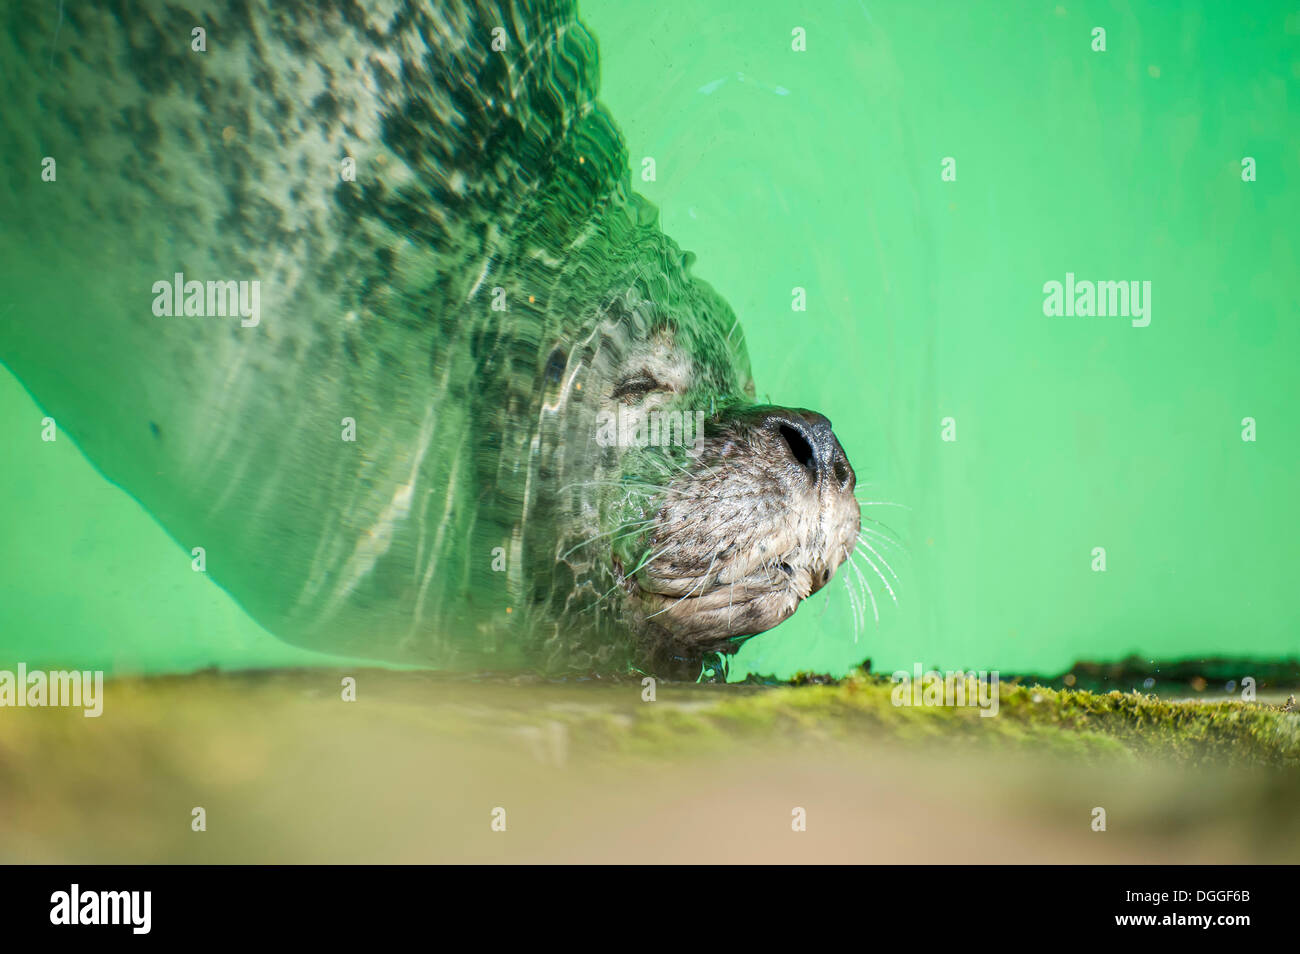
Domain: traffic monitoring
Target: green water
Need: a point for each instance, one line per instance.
(821, 169)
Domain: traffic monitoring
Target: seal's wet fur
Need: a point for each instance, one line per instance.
(485, 287)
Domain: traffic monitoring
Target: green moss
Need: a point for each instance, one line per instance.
(1076, 723)
(609, 716)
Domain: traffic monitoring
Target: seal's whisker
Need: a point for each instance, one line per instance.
(668, 465)
(869, 596)
(882, 503)
(859, 614)
(873, 566)
(881, 558)
(631, 529)
(875, 610)
(863, 598)
(702, 466)
(703, 580)
(893, 536)
(620, 483)
(883, 540)
(628, 530)
(645, 489)
(853, 603)
(646, 562)
(600, 599)
(880, 528)
(871, 563)
(604, 596)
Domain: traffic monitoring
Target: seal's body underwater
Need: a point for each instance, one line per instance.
(445, 261)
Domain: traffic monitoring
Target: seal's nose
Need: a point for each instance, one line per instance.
(812, 444)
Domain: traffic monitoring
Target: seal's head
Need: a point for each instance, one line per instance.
(700, 518)
(758, 521)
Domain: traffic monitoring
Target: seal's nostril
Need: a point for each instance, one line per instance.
(841, 470)
(811, 442)
(799, 447)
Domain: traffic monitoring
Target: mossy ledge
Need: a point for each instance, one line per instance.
(608, 714)
(609, 717)
(1068, 721)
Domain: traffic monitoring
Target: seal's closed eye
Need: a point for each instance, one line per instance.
(638, 384)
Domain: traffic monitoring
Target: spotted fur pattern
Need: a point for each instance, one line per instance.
(452, 530)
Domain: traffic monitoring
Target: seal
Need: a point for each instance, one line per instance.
(358, 302)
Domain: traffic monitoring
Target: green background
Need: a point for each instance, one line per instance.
(821, 169)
